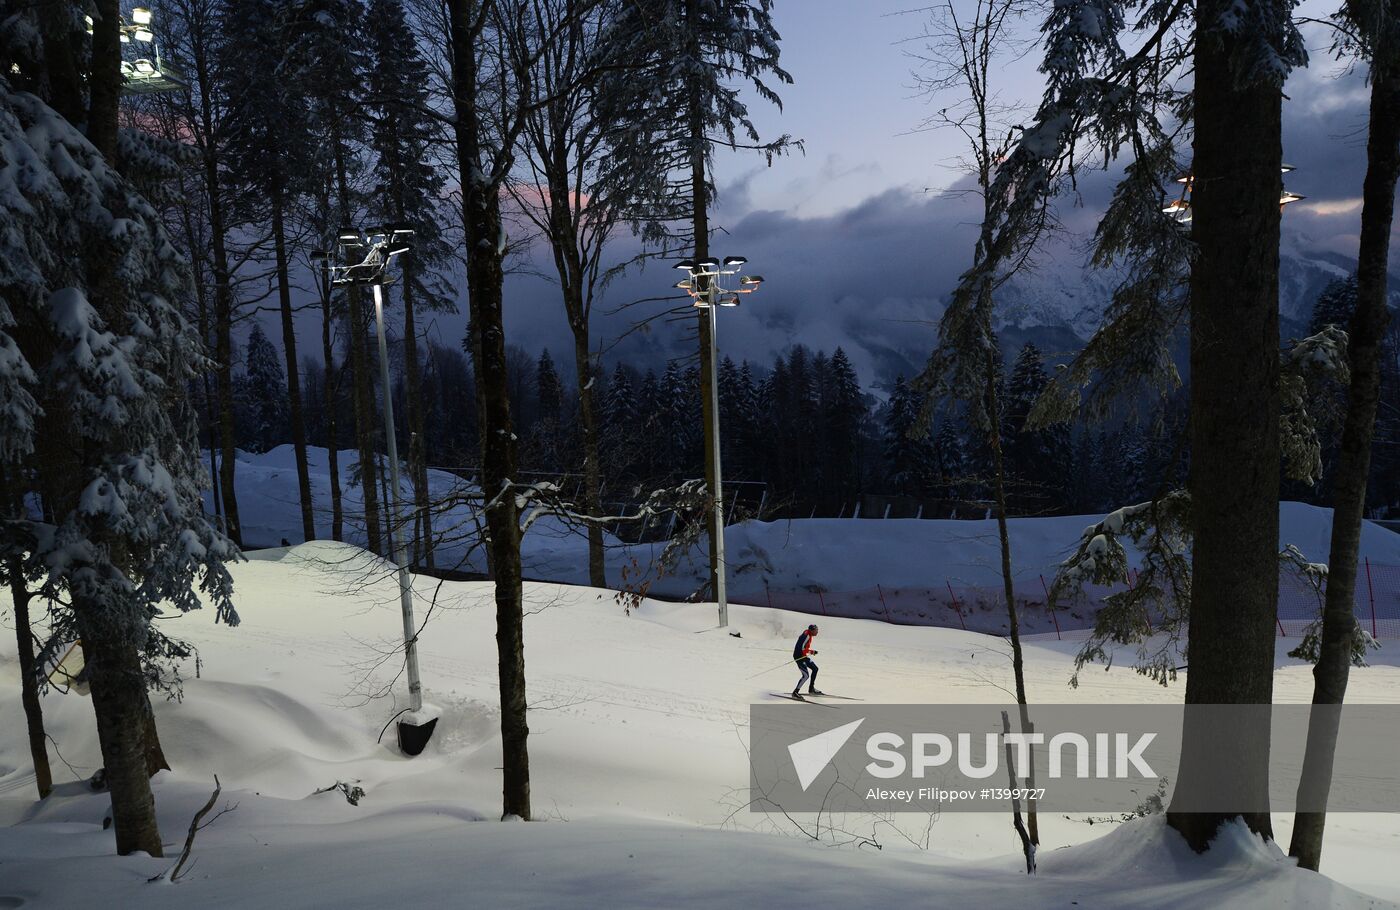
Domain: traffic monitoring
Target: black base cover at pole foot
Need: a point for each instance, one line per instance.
(413, 738)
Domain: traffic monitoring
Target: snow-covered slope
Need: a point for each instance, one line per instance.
(638, 755)
(824, 554)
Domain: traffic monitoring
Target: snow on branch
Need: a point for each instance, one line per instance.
(1308, 364)
(1160, 530)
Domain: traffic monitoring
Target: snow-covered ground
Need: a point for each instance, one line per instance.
(804, 555)
(638, 739)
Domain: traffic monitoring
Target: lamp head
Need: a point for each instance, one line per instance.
(733, 261)
(687, 265)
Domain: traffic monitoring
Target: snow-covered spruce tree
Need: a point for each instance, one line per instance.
(408, 189)
(267, 151)
(1375, 25)
(679, 72)
(94, 417)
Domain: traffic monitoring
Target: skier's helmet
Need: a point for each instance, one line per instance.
(813, 628)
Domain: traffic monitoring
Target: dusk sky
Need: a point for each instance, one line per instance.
(857, 237)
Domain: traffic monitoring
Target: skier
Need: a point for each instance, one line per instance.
(800, 653)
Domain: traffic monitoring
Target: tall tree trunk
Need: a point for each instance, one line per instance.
(125, 731)
(105, 78)
(332, 402)
(119, 702)
(211, 425)
(413, 392)
(1367, 334)
(29, 680)
(224, 389)
(289, 347)
(65, 84)
(223, 311)
(592, 470)
(1234, 474)
(700, 221)
(360, 380)
(485, 278)
(570, 267)
(364, 417)
(1008, 587)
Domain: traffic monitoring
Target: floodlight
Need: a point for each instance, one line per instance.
(146, 68)
(732, 300)
(396, 247)
(751, 279)
(734, 260)
(709, 263)
(141, 16)
(348, 235)
(686, 264)
(143, 34)
(1288, 197)
(684, 284)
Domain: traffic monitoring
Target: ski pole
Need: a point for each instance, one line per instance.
(779, 667)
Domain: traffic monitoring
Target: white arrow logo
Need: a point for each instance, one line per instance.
(810, 756)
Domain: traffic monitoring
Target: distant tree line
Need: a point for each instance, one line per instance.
(806, 427)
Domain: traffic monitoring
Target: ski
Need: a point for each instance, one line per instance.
(804, 700)
(842, 697)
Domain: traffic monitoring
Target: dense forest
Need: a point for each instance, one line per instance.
(802, 435)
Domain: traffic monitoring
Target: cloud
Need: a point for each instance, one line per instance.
(871, 278)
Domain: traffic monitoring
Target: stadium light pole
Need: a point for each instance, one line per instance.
(705, 288)
(146, 72)
(1179, 209)
(365, 261)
